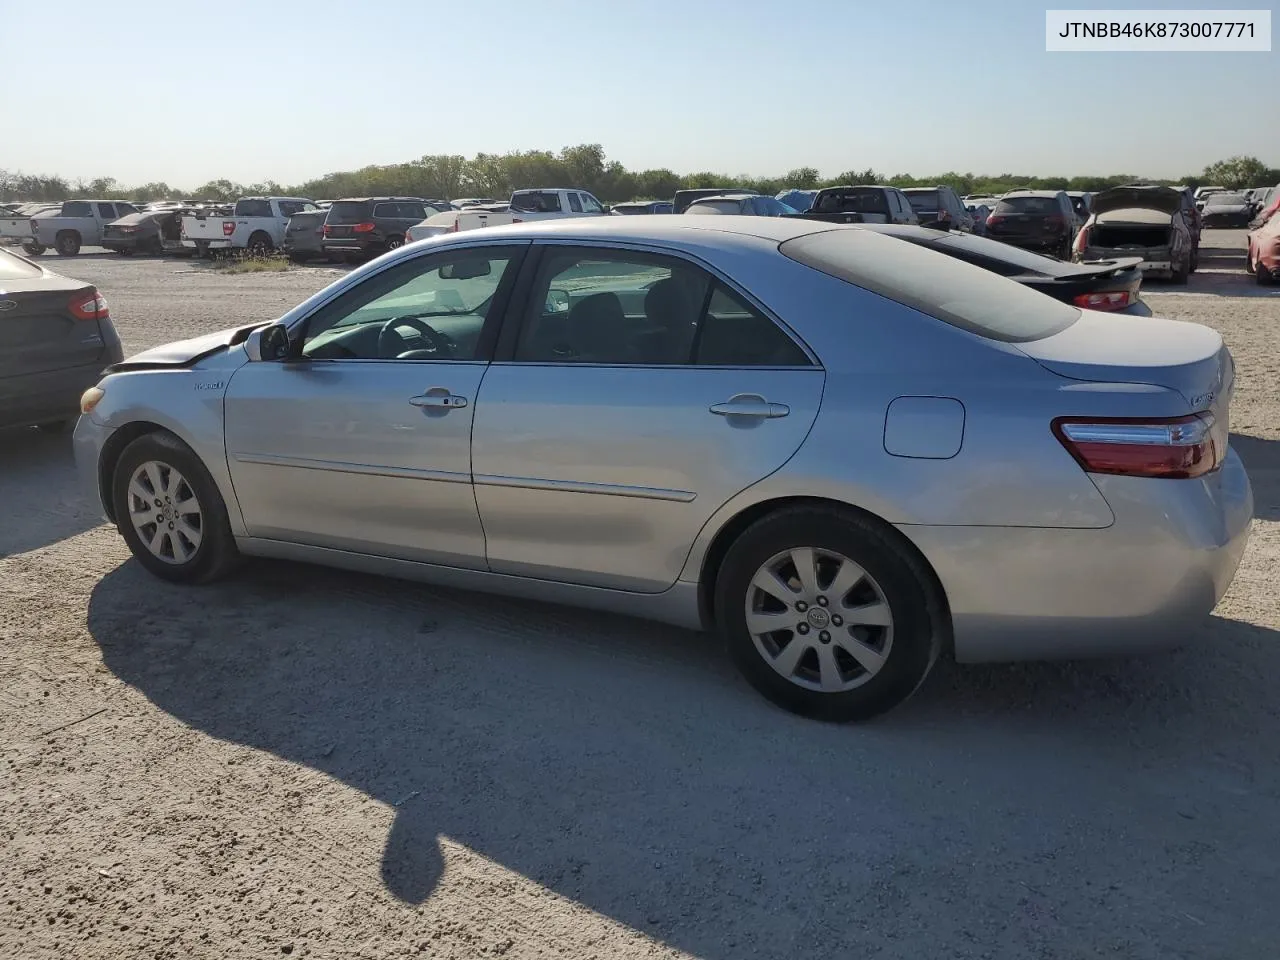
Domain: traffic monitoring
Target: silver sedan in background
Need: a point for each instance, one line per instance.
(846, 453)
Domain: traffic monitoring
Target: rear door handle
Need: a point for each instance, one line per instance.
(750, 405)
(438, 398)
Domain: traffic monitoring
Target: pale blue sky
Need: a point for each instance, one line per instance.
(291, 89)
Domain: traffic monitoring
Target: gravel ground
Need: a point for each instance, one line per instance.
(307, 762)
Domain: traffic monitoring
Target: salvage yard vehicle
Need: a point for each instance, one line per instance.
(641, 207)
(869, 203)
(369, 226)
(304, 236)
(1104, 285)
(256, 224)
(74, 224)
(1140, 221)
(15, 226)
(1226, 210)
(1041, 220)
(845, 452)
(150, 231)
(680, 203)
(1264, 251)
(939, 207)
(554, 203)
(56, 337)
(474, 217)
(740, 204)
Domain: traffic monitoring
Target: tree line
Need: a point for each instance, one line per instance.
(448, 176)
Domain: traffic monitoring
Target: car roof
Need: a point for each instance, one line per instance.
(735, 195)
(1031, 193)
(730, 229)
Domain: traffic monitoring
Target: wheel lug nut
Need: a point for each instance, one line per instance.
(802, 628)
(824, 637)
(822, 601)
(838, 620)
(802, 606)
(158, 503)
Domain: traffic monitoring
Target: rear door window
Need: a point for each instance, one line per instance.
(77, 208)
(253, 208)
(107, 211)
(923, 202)
(574, 203)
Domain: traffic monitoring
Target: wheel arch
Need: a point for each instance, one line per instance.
(110, 457)
(735, 526)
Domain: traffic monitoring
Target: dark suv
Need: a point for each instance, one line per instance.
(1035, 220)
(369, 226)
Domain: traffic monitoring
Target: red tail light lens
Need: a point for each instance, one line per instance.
(89, 306)
(364, 228)
(1104, 300)
(994, 220)
(454, 228)
(1178, 448)
(228, 228)
(325, 230)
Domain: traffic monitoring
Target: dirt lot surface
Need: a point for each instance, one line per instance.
(304, 762)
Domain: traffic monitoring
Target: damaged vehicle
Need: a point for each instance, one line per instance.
(1148, 222)
(149, 232)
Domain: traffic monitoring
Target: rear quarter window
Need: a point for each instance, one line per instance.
(943, 287)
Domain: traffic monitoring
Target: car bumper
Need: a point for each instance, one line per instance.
(49, 395)
(221, 244)
(1146, 582)
(122, 243)
(87, 442)
(354, 246)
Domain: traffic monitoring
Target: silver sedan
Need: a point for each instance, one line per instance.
(846, 453)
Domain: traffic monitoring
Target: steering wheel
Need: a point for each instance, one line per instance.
(438, 343)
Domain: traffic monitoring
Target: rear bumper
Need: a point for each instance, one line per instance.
(52, 394)
(1147, 582)
(122, 243)
(222, 243)
(354, 245)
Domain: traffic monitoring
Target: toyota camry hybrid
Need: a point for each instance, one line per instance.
(845, 453)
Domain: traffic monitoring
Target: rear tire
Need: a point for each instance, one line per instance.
(394, 243)
(169, 511)
(842, 587)
(34, 249)
(260, 245)
(126, 251)
(67, 243)
(1262, 275)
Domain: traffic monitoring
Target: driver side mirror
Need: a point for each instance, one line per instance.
(268, 344)
(557, 301)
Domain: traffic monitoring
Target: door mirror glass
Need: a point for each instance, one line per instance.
(269, 343)
(557, 301)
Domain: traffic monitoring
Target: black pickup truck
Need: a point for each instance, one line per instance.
(861, 204)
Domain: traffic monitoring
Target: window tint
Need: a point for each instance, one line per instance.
(349, 211)
(432, 308)
(574, 204)
(590, 204)
(535, 201)
(604, 306)
(735, 334)
(924, 201)
(124, 209)
(858, 200)
(107, 211)
(1038, 206)
(253, 208)
(77, 208)
(940, 286)
(289, 207)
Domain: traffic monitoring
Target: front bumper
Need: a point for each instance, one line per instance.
(1146, 582)
(87, 442)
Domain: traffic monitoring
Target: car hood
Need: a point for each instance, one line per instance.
(1164, 199)
(184, 353)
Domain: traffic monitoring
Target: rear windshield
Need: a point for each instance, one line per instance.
(401, 210)
(76, 208)
(924, 200)
(852, 201)
(715, 206)
(951, 290)
(1224, 200)
(15, 268)
(350, 211)
(535, 202)
(1042, 206)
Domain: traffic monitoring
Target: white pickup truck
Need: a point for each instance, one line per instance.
(550, 203)
(256, 224)
(15, 224)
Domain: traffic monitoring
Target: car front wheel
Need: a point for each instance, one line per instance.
(827, 614)
(170, 512)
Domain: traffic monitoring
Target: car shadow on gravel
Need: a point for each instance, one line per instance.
(40, 491)
(623, 765)
(1261, 458)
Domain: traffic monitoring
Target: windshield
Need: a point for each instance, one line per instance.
(1225, 200)
(944, 287)
(924, 200)
(1041, 206)
(349, 211)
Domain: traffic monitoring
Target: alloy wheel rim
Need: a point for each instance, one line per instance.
(165, 512)
(819, 619)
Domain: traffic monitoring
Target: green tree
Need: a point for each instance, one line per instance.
(1237, 173)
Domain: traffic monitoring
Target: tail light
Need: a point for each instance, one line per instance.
(127, 229)
(1104, 300)
(364, 228)
(994, 220)
(89, 305)
(454, 228)
(1177, 448)
(325, 230)
(228, 227)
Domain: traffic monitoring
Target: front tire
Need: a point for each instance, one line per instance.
(34, 249)
(827, 613)
(67, 243)
(169, 511)
(1262, 275)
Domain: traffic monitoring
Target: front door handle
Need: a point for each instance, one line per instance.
(438, 398)
(750, 405)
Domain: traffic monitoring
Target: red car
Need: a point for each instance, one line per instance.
(1264, 251)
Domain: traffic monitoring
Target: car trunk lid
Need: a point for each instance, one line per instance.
(39, 332)
(1165, 199)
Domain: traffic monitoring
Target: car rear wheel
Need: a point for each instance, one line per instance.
(67, 243)
(125, 251)
(34, 249)
(170, 512)
(1262, 274)
(827, 614)
(395, 243)
(260, 245)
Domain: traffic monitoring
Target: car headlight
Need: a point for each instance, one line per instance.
(91, 398)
